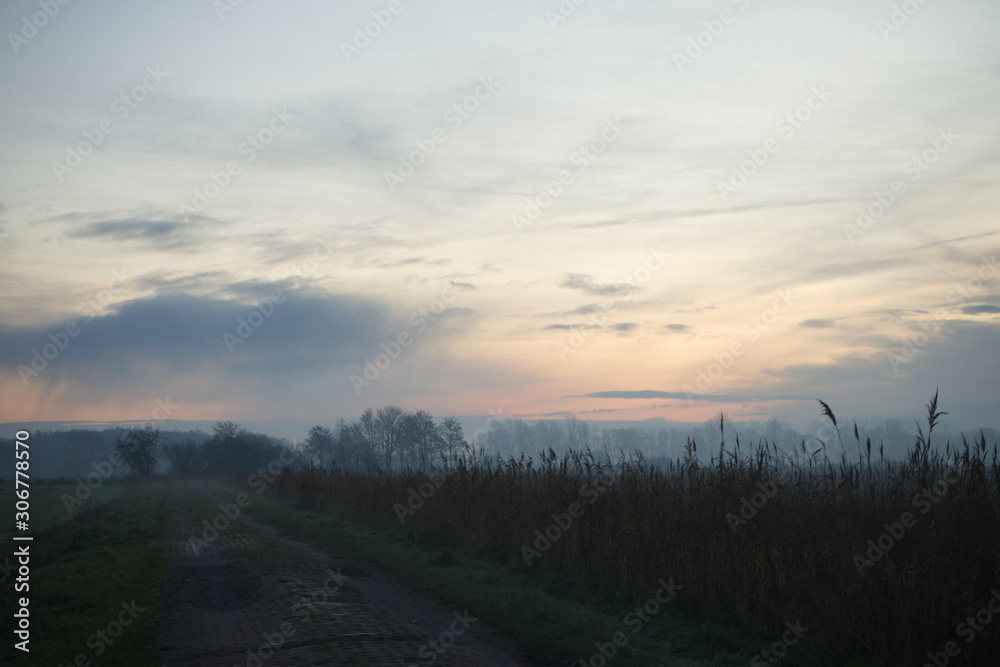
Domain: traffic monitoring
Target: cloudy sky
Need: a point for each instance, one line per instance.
(627, 210)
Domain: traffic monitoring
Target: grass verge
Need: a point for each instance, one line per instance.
(94, 586)
(49, 507)
(555, 619)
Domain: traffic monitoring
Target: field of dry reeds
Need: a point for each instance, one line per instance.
(883, 561)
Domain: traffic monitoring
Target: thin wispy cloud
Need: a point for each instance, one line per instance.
(815, 209)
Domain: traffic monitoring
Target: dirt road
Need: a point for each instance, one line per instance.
(254, 598)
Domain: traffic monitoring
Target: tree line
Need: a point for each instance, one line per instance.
(387, 438)
(381, 439)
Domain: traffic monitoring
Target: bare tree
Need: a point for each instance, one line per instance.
(389, 433)
(320, 445)
(352, 447)
(228, 431)
(577, 433)
(452, 438)
(421, 440)
(184, 457)
(369, 436)
(140, 448)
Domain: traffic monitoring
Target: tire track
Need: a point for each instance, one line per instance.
(254, 598)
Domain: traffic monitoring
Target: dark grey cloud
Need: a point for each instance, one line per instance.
(261, 289)
(624, 327)
(713, 398)
(676, 327)
(153, 234)
(897, 314)
(570, 326)
(178, 334)
(585, 283)
(978, 309)
(817, 324)
(400, 262)
(176, 282)
(586, 309)
(961, 358)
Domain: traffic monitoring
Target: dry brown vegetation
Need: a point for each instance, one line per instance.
(802, 555)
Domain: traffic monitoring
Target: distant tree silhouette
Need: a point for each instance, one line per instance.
(184, 457)
(422, 443)
(389, 434)
(452, 438)
(320, 445)
(233, 450)
(353, 447)
(385, 438)
(140, 449)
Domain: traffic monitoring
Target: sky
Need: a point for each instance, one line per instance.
(621, 210)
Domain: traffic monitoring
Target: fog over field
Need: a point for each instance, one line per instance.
(659, 333)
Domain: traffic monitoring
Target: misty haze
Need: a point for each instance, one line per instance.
(563, 332)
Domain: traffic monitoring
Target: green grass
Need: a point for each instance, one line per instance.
(556, 619)
(47, 505)
(83, 571)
